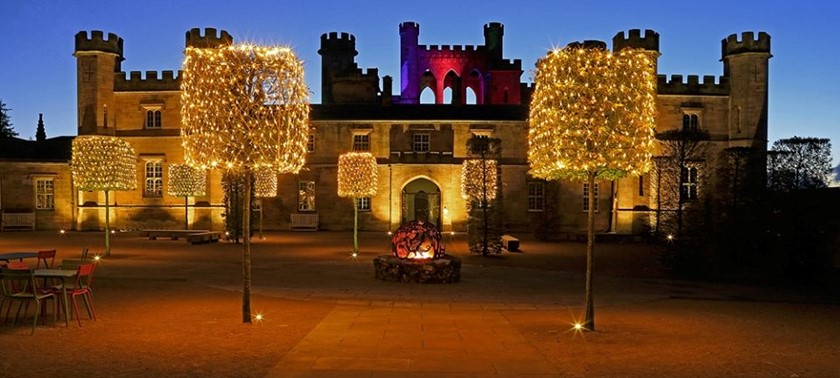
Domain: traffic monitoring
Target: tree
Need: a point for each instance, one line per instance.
(6, 129)
(799, 163)
(480, 186)
(103, 163)
(357, 177)
(265, 186)
(592, 117)
(676, 170)
(186, 181)
(244, 107)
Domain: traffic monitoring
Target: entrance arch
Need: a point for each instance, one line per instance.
(421, 201)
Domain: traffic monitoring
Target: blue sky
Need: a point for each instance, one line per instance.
(37, 69)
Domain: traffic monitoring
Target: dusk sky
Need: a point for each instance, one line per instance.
(38, 71)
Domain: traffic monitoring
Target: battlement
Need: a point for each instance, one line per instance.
(209, 39)
(748, 43)
(508, 64)
(409, 25)
(708, 87)
(494, 26)
(338, 41)
(98, 42)
(451, 48)
(135, 82)
(588, 44)
(634, 39)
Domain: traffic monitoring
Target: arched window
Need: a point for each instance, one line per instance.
(447, 95)
(427, 96)
(691, 121)
(471, 97)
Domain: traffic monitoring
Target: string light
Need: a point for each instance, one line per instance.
(476, 175)
(244, 106)
(357, 175)
(592, 111)
(186, 181)
(265, 182)
(103, 163)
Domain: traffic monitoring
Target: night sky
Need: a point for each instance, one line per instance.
(38, 71)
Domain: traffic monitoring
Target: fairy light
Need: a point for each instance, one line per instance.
(265, 182)
(103, 163)
(476, 175)
(186, 181)
(244, 106)
(357, 175)
(592, 111)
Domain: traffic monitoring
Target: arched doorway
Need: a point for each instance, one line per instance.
(421, 201)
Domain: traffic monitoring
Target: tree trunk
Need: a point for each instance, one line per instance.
(261, 219)
(186, 212)
(355, 227)
(589, 314)
(246, 251)
(484, 251)
(107, 226)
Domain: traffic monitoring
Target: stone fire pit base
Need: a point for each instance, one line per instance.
(446, 269)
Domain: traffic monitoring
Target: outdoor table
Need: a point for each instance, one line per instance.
(18, 256)
(63, 275)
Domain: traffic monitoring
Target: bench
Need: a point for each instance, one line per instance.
(510, 243)
(172, 234)
(304, 222)
(204, 237)
(18, 221)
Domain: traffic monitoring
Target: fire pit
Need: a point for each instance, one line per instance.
(418, 256)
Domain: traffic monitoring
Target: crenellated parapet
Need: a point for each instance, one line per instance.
(134, 81)
(747, 44)
(451, 48)
(211, 38)
(338, 43)
(706, 87)
(508, 64)
(635, 39)
(97, 42)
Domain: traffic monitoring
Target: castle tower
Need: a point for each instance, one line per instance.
(97, 59)
(210, 39)
(634, 39)
(745, 64)
(493, 33)
(338, 52)
(409, 81)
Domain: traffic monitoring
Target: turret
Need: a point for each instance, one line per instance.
(97, 59)
(409, 80)
(493, 33)
(40, 132)
(746, 65)
(634, 39)
(210, 38)
(338, 52)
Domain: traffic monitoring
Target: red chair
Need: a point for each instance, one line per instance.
(48, 257)
(84, 277)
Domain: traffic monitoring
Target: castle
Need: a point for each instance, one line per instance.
(419, 147)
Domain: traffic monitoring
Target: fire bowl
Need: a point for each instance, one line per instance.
(445, 269)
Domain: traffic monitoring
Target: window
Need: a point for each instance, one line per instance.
(688, 183)
(44, 194)
(691, 121)
(306, 195)
(310, 143)
(363, 204)
(421, 142)
(536, 196)
(641, 185)
(361, 142)
(153, 119)
(154, 179)
(586, 197)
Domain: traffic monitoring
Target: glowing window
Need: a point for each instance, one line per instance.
(586, 197)
(44, 194)
(153, 179)
(306, 195)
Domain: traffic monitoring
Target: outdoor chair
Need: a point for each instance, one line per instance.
(84, 277)
(20, 285)
(47, 257)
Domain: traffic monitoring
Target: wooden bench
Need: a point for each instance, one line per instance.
(204, 237)
(510, 243)
(304, 222)
(172, 234)
(18, 221)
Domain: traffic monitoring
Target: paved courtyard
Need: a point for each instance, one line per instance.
(168, 308)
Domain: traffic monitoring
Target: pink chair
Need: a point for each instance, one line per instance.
(48, 257)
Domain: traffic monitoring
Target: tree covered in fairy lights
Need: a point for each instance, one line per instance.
(592, 117)
(244, 107)
(186, 181)
(357, 178)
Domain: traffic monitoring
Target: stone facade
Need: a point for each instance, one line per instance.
(419, 148)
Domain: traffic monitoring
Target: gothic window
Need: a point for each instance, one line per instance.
(153, 178)
(688, 183)
(586, 197)
(691, 121)
(306, 195)
(536, 196)
(363, 204)
(45, 193)
(421, 142)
